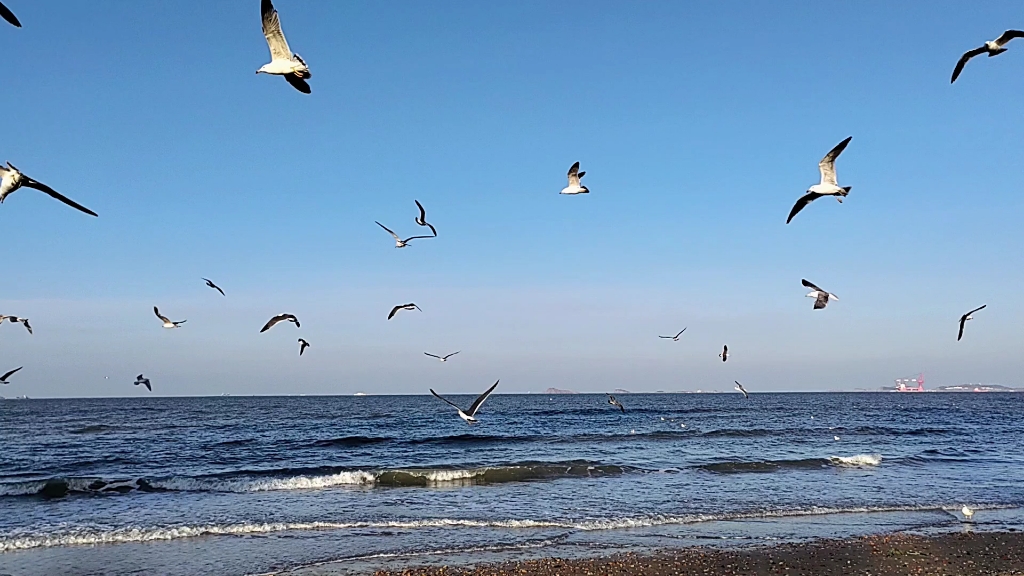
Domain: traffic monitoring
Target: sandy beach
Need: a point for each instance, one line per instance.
(960, 554)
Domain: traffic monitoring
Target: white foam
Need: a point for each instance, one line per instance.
(857, 460)
(357, 477)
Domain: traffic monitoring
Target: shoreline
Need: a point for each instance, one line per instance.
(897, 554)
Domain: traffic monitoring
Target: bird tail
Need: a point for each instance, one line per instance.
(996, 52)
(846, 190)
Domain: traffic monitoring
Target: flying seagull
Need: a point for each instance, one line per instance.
(302, 346)
(167, 322)
(828, 185)
(992, 47)
(968, 513)
(15, 320)
(965, 318)
(11, 179)
(282, 61)
(214, 286)
(144, 381)
(280, 318)
(399, 243)
(821, 297)
(469, 415)
(574, 186)
(422, 218)
(740, 388)
(442, 358)
(3, 379)
(409, 306)
(676, 337)
(6, 14)
(725, 353)
(614, 402)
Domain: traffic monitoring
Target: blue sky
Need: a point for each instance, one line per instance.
(699, 125)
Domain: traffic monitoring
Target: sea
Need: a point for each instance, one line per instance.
(347, 485)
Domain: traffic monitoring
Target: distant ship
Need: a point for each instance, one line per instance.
(910, 384)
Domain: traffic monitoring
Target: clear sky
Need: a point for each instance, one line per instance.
(698, 124)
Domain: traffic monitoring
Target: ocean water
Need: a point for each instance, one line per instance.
(255, 485)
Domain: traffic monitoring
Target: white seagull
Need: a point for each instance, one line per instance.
(280, 318)
(422, 218)
(442, 358)
(992, 47)
(143, 381)
(399, 243)
(821, 297)
(302, 346)
(965, 318)
(409, 306)
(167, 322)
(968, 513)
(3, 379)
(282, 61)
(676, 337)
(11, 179)
(469, 415)
(6, 14)
(740, 388)
(828, 185)
(574, 186)
(725, 353)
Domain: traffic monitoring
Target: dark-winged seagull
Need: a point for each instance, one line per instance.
(828, 185)
(143, 381)
(820, 296)
(965, 318)
(167, 322)
(422, 218)
(3, 379)
(15, 320)
(725, 353)
(676, 337)
(280, 318)
(740, 388)
(469, 415)
(574, 186)
(442, 358)
(992, 47)
(409, 306)
(614, 402)
(399, 243)
(282, 61)
(302, 346)
(6, 14)
(11, 179)
(214, 286)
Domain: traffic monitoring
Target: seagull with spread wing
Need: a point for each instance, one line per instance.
(965, 318)
(280, 318)
(442, 358)
(574, 186)
(3, 379)
(820, 296)
(282, 61)
(302, 346)
(399, 243)
(422, 218)
(725, 353)
(614, 402)
(676, 337)
(991, 47)
(167, 322)
(15, 320)
(11, 179)
(740, 388)
(409, 306)
(469, 415)
(828, 185)
(144, 382)
(214, 286)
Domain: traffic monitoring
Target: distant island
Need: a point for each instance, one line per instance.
(559, 391)
(621, 391)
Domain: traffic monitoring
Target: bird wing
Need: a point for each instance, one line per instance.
(214, 286)
(423, 213)
(57, 195)
(160, 316)
(395, 311)
(432, 355)
(270, 323)
(963, 320)
(963, 61)
(669, 337)
(827, 166)
(452, 354)
(279, 49)
(479, 401)
(976, 309)
(1002, 40)
(24, 322)
(803, 201)
(388, 230)
(411, 238)
(680, 333)
(821, 300)
(810, 285)
(147, 384)
(446, 401)
(298, 83)
(6, 376)
(574, 177)
(6, 14)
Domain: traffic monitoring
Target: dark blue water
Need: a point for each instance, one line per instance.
(234, 485)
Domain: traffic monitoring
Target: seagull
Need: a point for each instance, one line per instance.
(11, 179)
(821, 297)
(144, 381)
(836, 438)
(574, 186)
(614, 402)
(3, 379)
(725, 353)
(992, 47)
(167, 322)
(280, 318)
(422, 218)
(469, 415)
(442, 358)
(828, 185)
(399, 243)
(409, 306)
(6, 14)
(214, 286)
(740, 388)
(15, 319)
(282, 61)
(676, 337)
(968, 513)
(302, 346)
(965, 318)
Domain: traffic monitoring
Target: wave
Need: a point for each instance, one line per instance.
(93, 429)
(857, 460)
(348, 441)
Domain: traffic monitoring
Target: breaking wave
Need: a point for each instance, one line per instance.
(858, 460)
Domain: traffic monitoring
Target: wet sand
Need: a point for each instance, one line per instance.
(960, 554)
